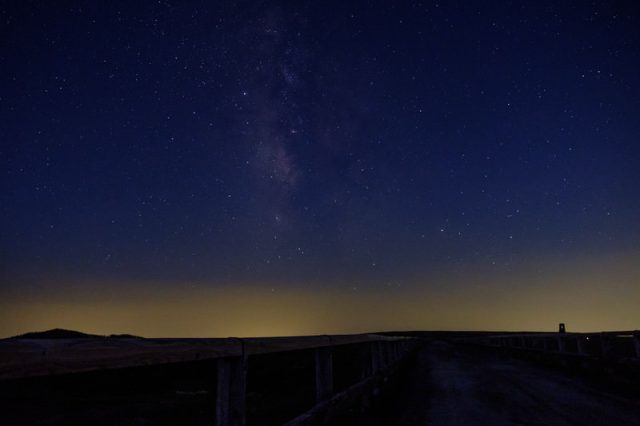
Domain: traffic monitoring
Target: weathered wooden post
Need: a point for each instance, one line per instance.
(582, 345)
(391, 355)
(324, 373)
(384, 353)
(366, 369)
(636, 342)
(605, 345)
(562, 345)
(231, 389)
(376, 356)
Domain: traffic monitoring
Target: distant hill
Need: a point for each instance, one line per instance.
(56, 333)
(60, 333)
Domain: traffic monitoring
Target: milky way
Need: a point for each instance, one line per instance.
(423, 151)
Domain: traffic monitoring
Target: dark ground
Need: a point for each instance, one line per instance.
(451, 385)
(443, 384)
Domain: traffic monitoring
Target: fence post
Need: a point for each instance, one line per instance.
(562, 345)
(545, 344)
(324, 373)
(231, 389)
(366, 368)
(605, 345)
(389, 351)
(384, 354)
(582, 345)
(376, 357)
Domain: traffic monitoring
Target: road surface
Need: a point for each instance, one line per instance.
(452, 387)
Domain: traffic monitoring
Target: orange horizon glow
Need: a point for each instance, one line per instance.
(588, 294)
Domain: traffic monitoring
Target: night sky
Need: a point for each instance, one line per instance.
(208, 168)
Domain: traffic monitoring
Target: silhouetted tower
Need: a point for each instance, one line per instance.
(561, 328)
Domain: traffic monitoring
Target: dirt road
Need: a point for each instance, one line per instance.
(450, 386)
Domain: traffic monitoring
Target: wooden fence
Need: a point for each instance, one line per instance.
(384, 353)
(28, 359)
(607, 345)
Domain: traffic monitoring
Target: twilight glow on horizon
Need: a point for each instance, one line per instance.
(206, 169)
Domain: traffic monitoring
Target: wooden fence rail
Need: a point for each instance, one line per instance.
(606, 345)
(30, 358)
(384, 352)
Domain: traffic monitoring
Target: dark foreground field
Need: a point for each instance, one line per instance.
(441, 383)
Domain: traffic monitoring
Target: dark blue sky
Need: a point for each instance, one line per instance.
(313, 144)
